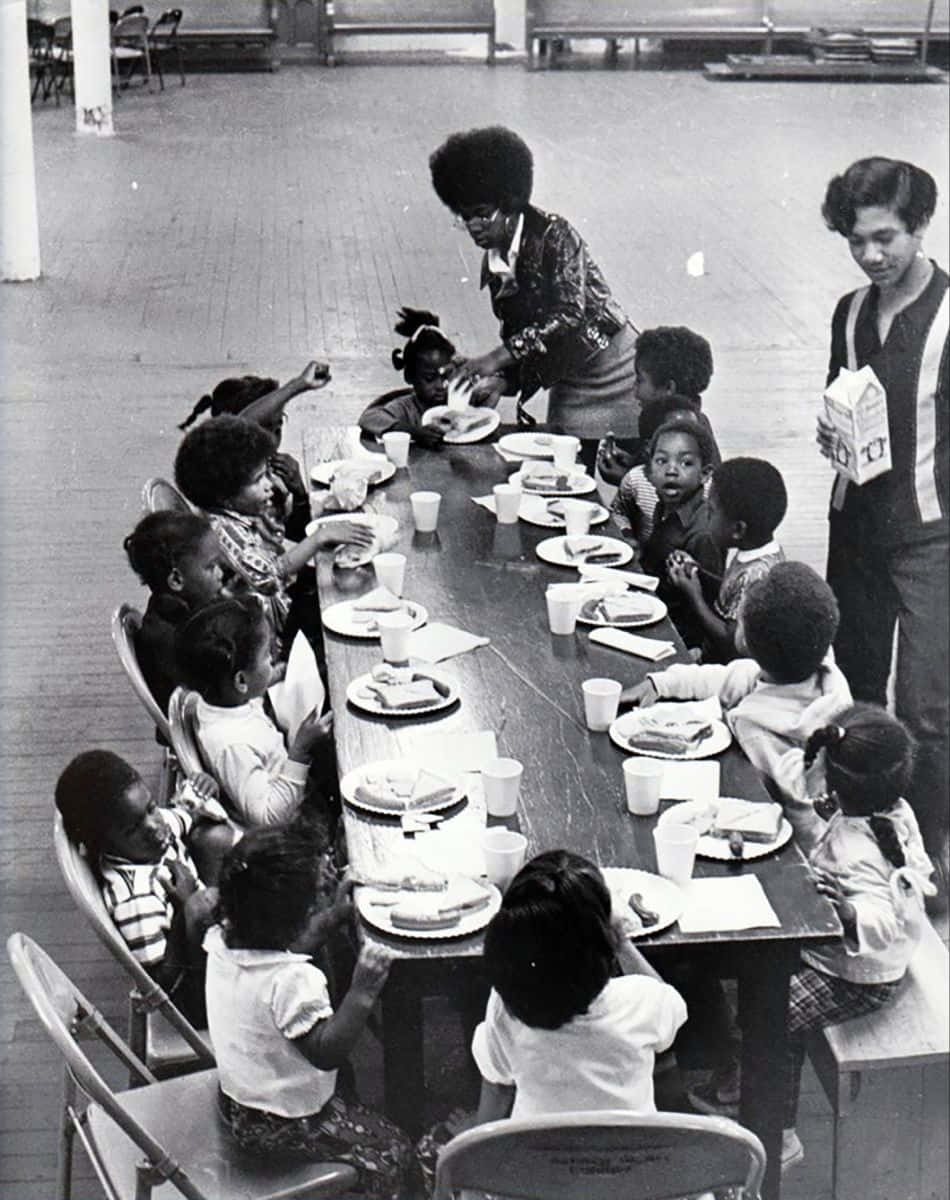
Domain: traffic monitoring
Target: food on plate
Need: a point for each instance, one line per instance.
(378, 601)
(582, 547)
(417, 693)
(441, 911)
(410, 876)
(617, 610)
(603, 556)
(668, 737)
(461, 421)
(400, 792)
(544, 477)
(350, 555)
(647, 916)
(736, 844)
(371, 472)
(700, 818)
(755, 820)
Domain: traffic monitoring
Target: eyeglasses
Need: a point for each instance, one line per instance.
(474, 218)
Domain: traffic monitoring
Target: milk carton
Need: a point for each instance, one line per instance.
(856, 405)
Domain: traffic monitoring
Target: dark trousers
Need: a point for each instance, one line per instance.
(876, 586)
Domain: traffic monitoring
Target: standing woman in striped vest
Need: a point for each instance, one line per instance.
(887, 553)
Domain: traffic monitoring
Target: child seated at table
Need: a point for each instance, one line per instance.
(788, 685)
(226, 650)
(264, 401)
(144, 858)
(222, 467)
(679, 463)
(423, 361)
(178, 558)
(278, 1041)
(747, 502)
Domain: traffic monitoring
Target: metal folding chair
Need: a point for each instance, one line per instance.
(163, 39)
(158, 495)
(130, 45)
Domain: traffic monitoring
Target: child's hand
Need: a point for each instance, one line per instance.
(612, 462)
(284, 467)
(314, 375)
(487, 391)
(338, 533)
(182, 885)
(825, 437)
(313, 730)
(201, 910)
(205, 786)
(683, 573)
(323, 921)
(371, 970)
(277, 672)
(428, 436)
(644, 695)
(830, 888)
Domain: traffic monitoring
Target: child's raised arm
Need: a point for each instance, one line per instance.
(328, 1044)
(267, 409)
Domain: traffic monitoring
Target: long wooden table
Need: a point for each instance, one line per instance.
(487, 579)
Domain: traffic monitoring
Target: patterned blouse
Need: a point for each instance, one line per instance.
(253, 546)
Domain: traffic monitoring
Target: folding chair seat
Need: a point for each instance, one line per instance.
(158, 495)
(165, 1135)
(130, 45)
(163, 39)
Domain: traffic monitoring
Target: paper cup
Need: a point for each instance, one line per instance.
(601, 698)
(425, 510)
(563, 607)
(565, 452)
(394, 631)
(675, 851)
(390, 570)
(642, 782)
(396, 446)
(577, 515)
(504, 852)
(501, 782)
(507, 503)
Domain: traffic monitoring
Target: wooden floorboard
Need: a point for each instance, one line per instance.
(248, 222)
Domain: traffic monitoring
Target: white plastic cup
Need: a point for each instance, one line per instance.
(577, 515)
(394, 631)
(565, 452)
(642, 783)
(563, 607)
(396, 446)
(501, 782)
(425, 510)
(601, 700)
(675, 851)
(390, 570)
(507, 503)
(504, 852)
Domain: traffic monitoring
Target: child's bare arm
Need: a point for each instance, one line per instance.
(684, 575)
(335, 534)
(630, 959)
(328, 1044)
(495, 1102)
(267, 408)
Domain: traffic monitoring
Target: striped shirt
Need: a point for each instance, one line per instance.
(635, 504)
(908, 503)
(135, 896)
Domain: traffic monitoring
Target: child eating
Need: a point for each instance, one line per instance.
(747, 501)
(142, 857)
(423, 362)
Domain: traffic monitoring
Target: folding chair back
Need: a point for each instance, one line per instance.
(126, 623)
(158, 495)
(39, 36)
(183, 730)
(62, 51)
(164, 38)
(130, 44)
(602, 1156)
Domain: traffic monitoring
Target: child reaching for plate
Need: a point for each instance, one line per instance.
(277, 1038)
(424, 361)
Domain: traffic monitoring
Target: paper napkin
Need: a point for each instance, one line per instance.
(646, 583)
(726, 904)
(449, 753)
(690, 781)
(436, 642)
(653, 649)
(300, 691)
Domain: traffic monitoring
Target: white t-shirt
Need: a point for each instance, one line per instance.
(601, 1059)
(258, 1000)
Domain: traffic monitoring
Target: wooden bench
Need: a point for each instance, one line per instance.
(243, 28)
(886, 1078)
(342, 18)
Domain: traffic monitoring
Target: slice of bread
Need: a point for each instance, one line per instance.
(670, 739)
(756, 820)
(406, 697)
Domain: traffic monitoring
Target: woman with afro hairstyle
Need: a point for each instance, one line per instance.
(561, 328)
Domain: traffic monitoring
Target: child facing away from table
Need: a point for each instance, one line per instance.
(277, 1039)
(424, 362)
(151, 863)
(178, 558)
(680, 461)
(222, 468)
(865, 853)
(747, 501)
(787, 686)
(226, 650)
(264, 401)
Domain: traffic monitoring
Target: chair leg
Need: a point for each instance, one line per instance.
(181, 63)
(64, 1182)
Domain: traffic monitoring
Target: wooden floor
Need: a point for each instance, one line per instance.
(248, 222)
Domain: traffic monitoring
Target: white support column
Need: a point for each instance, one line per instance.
(92, 67)
(19, 232)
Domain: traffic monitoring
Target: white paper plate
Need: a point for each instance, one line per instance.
(379, 915)
(360, 696)
(338, 618)
(385, 527)
(625, 725)
(657, 613)
(473, 435)
(718, 848)
(552, 550)
(659, 894)
(323, 472)
(579, 484)
(539, 515)
(531, 445)
(352, 779)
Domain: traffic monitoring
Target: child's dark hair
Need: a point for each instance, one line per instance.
(880, 182)
(789, 619)
(869, 756)
(421, 329)
(269, 883)
(483, 166)
(662, 411)
(231, 396)
(753, 491)
(159, 543)
(216, 459)
(218, 641)
(86, 795)
(700, 435)
(550, 948)
(673, 352)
